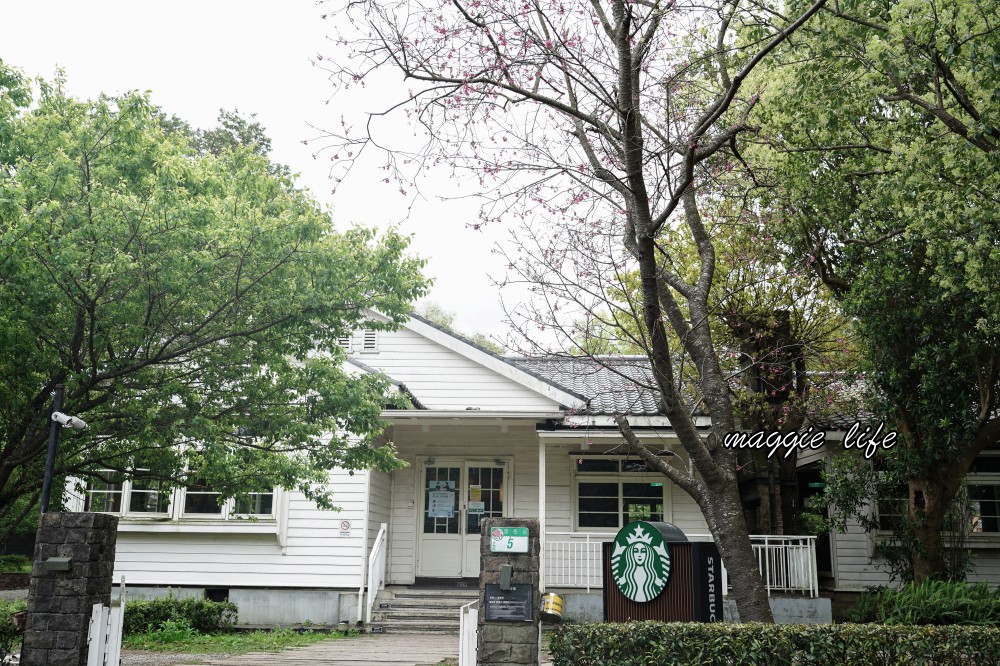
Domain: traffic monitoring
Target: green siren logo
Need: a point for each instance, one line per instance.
(640, 562)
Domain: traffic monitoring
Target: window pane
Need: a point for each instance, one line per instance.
(596, 465)
(637, 466)
(986, 508)
(105, 495)
(257, 504)
(199, 498)
(597, 505)
(985, 465)
(642, 501)
(147, 496)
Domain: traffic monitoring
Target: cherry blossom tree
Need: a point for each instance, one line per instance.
(598, 127)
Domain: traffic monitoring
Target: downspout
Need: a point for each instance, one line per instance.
(541, 514)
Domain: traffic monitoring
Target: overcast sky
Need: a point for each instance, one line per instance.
(254, 55)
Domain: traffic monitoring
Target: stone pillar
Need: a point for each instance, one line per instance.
(509, 642)
(62, 594)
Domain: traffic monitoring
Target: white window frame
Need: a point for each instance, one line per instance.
(126, 501)
(613, 477)
(175, 504)
(984, 479)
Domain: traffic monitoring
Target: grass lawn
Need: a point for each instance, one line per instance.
(182, 640)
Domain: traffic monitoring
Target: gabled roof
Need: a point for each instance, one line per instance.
(613, 385)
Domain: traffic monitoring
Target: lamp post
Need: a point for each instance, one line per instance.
(57, 419)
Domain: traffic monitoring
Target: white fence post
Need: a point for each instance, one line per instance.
(468, 623)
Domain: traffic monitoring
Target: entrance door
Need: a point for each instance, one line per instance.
(456, 496)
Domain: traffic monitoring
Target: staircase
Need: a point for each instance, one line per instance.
(415, 610)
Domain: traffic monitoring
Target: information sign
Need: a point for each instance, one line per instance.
(513, 605)
(509, 540)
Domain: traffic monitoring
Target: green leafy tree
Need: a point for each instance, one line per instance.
(883, 121)
(189, 302)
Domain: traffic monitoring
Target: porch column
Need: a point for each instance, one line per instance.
(541, 514)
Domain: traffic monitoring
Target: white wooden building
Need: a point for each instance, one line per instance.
(488, 436)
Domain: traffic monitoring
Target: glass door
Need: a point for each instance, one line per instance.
(440, 539)
(455, 498)
(484, 498)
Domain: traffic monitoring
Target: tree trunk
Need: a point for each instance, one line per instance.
(728, 526)
(928, 503)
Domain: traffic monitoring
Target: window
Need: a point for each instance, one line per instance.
(105, 496)
(200, 499)
(345, 343)
(984, 493)
(255, 504)
(612, 492)
(143, 496)
(147, 496)
(114, 493)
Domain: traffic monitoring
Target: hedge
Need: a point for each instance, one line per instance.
(200, 614)
(649, 643)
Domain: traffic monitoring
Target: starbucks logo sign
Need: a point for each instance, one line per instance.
(640, 562)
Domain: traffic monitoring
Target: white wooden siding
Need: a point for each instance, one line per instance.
(379, 499)
(857, 569)
(444, 379)
(315, 556)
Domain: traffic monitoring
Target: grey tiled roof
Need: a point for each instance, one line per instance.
(614, 385)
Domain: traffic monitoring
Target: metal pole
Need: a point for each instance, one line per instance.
(50, 460)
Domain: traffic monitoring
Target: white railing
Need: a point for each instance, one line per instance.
(468, 628)
(787, 563)
(376, 569)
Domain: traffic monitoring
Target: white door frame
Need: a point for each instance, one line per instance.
(462, 540)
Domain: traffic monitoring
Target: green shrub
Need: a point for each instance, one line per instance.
(10, 637)
(931, 602)
(647, 643)
(200, 615)
(15, 564)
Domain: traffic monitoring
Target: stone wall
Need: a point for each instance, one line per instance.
(508, 643)
(60, 602)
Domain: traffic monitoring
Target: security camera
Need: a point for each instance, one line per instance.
(69, 421)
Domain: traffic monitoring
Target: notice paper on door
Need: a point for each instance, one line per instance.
(477, 507)
(441, 504)
(475, 493)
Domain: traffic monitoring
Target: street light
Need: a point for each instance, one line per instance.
(67, 421)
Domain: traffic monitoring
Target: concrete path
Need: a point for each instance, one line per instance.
(389, 649)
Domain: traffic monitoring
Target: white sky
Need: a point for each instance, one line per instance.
(253, 55)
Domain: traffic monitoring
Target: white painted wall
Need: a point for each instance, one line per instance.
(316, 555)
(444, 379)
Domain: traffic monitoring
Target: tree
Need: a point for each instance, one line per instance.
(437, 314)
(597, 123)
(189, 303)
(883, 123)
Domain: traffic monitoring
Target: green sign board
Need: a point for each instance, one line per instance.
(509, 540)
(640, 562)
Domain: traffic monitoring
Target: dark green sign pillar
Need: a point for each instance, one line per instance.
(508, 592)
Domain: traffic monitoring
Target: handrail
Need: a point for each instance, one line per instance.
(376, 570)
(468, 626)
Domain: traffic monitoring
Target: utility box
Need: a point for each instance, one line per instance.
(652, 572)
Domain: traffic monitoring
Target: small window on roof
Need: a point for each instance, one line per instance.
(344, 342)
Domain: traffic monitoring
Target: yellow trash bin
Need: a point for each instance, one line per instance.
(552, 607)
